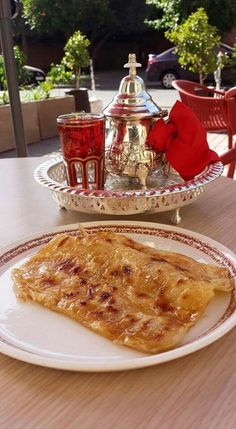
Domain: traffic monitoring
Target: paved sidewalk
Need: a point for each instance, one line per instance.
(42, 148)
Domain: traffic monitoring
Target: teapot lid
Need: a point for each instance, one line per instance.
(132, 98)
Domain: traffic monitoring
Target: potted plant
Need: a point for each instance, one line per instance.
(39, 110)
(77, 56)
(39, 107)
(69, 71)
(196, 42)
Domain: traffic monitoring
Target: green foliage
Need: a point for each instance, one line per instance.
(58, 74)
(36, 94)
(3, 82)
(99, 20)
(21, 72)
(65, 16)
(196, 42)
(92, 17)
(4, 97)
(76, 54)
(234, 53)
(129, 16)
(20, 62)
(169, 13)
(40, 92)
(45, 87)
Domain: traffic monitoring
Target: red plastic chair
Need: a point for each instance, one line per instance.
(229, 158)
(215, 109)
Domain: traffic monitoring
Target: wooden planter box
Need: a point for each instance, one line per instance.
(49, 110)
(39, 119)
(30, 119)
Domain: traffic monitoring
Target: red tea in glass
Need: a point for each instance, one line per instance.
(82, 137)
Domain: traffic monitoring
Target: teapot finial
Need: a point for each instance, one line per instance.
(132, 64)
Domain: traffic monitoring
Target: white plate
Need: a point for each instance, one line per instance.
(34, 334)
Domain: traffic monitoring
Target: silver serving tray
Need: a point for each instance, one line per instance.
(170, 194)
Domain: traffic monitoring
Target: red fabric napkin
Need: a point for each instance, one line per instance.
(184, 141)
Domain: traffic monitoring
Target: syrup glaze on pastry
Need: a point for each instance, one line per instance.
(132, 294)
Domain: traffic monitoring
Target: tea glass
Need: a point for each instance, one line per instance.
(82, 138)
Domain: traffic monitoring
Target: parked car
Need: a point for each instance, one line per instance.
(31, 76)
(34, 75)
(165, 68)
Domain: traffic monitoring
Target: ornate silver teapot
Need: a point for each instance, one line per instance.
(129, 118)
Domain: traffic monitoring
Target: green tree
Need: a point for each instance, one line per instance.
(196, 42)
(64, 16)
(99, 20)
(221, 13)
(76, 54)
(168, 13)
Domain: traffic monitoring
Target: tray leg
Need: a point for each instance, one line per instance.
(61, 207)
(176, 218)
